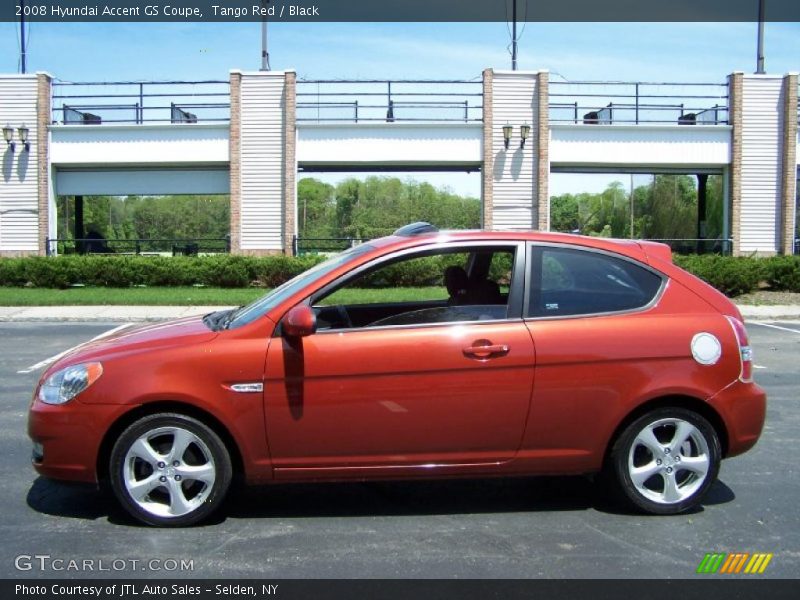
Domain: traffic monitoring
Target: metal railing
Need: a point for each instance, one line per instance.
(123, 247)
(137, 102)
(304, 245)
(609, 102)
(355, 101)
(722, 246)
(586, 102)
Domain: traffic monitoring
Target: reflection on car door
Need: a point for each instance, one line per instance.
(400, 398)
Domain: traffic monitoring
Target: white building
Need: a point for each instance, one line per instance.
(250, 135)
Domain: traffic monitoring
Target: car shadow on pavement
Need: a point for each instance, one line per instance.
(400, 498)
(445, 497)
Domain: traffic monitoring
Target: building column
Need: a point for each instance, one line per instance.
(24, 182)
(789, 167)
(290, 163)
(543, 156)
(761, 166)
(487, 172)
(235, 158)
(735, 172)
(263, 157)
(518, 192)
(44, 84)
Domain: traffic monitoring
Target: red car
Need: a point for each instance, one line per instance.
(423, 354)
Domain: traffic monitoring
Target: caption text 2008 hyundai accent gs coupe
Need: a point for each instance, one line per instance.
(512, 354)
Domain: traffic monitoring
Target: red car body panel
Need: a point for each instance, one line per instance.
(345, 400)
(413, 401)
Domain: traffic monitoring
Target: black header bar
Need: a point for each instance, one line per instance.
(715, 588)
(396, 10)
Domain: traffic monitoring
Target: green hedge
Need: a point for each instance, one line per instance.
(732, 276)
(740, 275)
(125, 271)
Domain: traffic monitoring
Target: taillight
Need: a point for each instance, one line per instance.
(745, 351)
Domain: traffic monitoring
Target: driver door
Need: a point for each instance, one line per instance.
(396, 396)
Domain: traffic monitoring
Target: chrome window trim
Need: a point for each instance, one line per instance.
(418, 326)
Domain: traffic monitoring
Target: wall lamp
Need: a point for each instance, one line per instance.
(22, 131)
(8, 136)
(507, 131)
(524, 133)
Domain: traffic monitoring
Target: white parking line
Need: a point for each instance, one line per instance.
(773, 326)
(52, 359)
(46, 361)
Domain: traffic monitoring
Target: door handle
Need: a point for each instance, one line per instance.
(484, 349)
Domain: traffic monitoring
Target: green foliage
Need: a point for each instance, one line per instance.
(223, 271)
(147, 218)
(665, 208)
(316, 209)
(740, 275)
(377, 206)
(274, 270)
(732, 276)
(783, 273)
(419, 272)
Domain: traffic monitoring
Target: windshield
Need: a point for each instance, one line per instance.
(251, 312)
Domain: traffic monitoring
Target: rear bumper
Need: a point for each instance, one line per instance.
(743, 407)
(67, 438)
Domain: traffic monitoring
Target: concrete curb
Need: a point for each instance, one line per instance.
(101, 313)
(132, 314)
(770, 313)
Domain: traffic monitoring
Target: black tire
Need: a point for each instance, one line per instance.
(673, 487)
(184, 492)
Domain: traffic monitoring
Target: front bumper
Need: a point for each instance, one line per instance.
(67, 438)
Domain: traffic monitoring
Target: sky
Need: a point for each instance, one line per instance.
(666, 52)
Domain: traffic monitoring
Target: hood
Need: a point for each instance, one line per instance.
(137, 338)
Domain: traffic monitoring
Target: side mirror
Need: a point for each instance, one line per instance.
(299, 322)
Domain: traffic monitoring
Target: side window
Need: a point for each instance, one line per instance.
(567, 282)
(446, 286)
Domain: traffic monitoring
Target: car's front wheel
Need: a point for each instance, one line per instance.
(665, 461)
(170, 470)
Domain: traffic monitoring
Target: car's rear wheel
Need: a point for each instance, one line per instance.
(170, 470)
(665, 461)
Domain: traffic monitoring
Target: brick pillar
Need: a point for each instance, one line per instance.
(290, 162)
(487, 172)
(789, 167)
(42, 136)
(235, 159)
(735, 117)
(543, 144)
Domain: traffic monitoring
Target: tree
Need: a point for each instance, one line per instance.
(665, 208)
(376, 206)
(316, 209)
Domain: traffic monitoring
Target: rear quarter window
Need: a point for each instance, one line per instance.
(567, 282)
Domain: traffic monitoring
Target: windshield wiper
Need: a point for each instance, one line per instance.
(220, 319)
(226, 321)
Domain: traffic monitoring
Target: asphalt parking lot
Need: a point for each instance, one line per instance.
(535, 527)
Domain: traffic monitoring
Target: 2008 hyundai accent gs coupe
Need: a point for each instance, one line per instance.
(524, 353)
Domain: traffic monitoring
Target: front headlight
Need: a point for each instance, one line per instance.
(65, 384)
